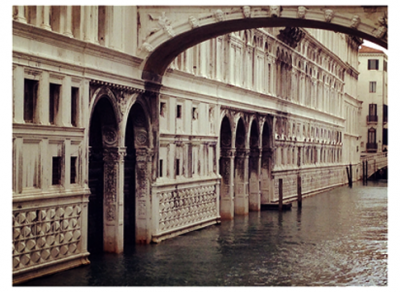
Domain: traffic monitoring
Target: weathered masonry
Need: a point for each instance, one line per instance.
(112, 147)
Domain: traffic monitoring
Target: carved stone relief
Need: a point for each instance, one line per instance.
(328, 15)
(246, 11)
(275, 11)
(109, 135)
(219, 15)
(301, 12)
(193, 22)
(355, 22)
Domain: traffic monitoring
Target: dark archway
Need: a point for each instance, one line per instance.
(225, 170)
(129, 184)
(266, 163)
(254, 168)
(103, 119)
(241, 171)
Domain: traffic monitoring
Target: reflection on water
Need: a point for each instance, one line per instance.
(338, 238)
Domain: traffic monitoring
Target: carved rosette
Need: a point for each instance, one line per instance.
(141, 137)
(109, 135)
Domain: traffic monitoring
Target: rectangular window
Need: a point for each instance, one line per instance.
(73, 169)
(177, 167)
(30, 99)
(178, 111)
(384, 66)
(372, 135)
(373, 64)
(161, 168)
(385, 137)
(74, 106)
(53, 102)
(372, 109)
(385, 113)
(372, 86)
(56, 178)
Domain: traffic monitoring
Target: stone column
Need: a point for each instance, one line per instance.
(227, 192)
(19, 14)
(66, 26)
(43, 17)
(113, 199)
(241, 181)
(142, 203)
(254, 180)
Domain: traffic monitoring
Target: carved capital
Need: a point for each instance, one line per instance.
(113, 154)
(228, 152)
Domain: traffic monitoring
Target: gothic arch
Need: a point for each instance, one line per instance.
(105, 92)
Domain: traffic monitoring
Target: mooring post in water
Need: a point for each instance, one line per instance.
(351, 177)
(348, 174)
(299, 198)
(363, 172)
(280, 194)
(366, 171)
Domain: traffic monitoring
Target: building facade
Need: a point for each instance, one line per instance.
(373, 91)
(101, 160)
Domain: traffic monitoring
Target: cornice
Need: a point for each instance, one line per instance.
(56, 39)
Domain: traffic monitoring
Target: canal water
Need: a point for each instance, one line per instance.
(338, 238)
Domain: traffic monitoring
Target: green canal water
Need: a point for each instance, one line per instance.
(338, 238)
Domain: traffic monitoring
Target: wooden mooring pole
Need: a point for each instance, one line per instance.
(280, 195)
(299, 198)
(351, 177)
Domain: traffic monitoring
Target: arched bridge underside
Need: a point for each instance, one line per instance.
(168, 31)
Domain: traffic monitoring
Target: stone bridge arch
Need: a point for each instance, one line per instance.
(172, 30)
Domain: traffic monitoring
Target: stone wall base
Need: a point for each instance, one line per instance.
(159, 238)
(50, 268)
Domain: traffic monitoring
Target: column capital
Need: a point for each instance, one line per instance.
(144, 154)
(114, 154)
(228, 152)
(242, 152)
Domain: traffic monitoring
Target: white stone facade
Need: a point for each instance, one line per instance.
(373, 91)
(95, 147)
